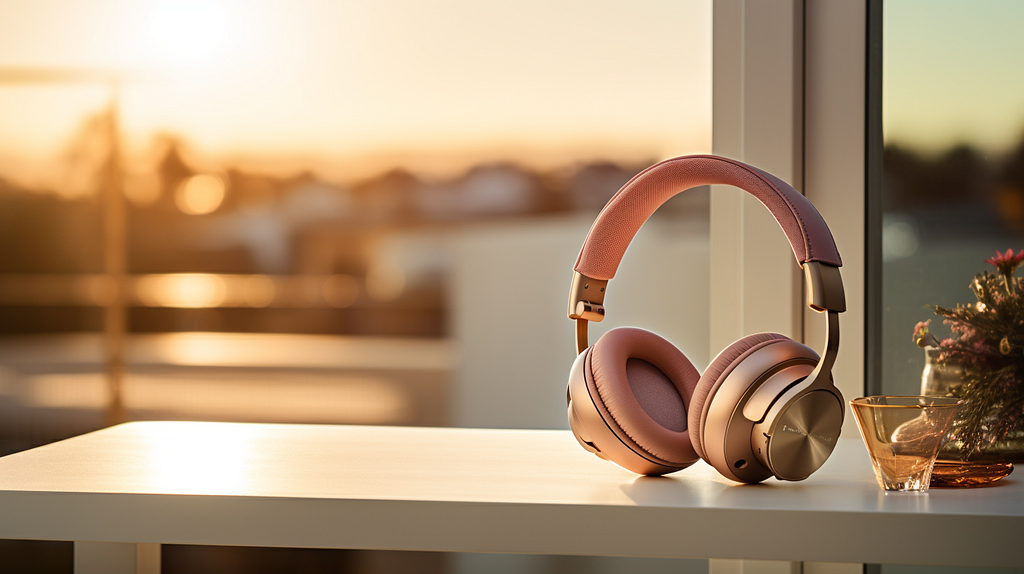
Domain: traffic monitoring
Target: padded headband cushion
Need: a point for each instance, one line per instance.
(645, 384)
(630, 207)
(716, 373)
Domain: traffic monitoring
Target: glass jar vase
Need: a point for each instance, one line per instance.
(957, 465)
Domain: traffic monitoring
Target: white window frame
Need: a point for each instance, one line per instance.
(788, 95)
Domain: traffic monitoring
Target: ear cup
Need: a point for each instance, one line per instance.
(717, 372)
(642, 384)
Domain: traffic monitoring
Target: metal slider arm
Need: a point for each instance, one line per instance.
(824, 287)
(586, 303)
(825, 294)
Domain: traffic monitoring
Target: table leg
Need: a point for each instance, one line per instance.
(116, 558)
(147, 558)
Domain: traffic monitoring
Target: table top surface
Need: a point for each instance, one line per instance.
(406, 481)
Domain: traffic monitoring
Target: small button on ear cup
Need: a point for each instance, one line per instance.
(642, 384)
(713, 377)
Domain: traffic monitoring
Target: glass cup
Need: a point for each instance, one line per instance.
(903, 436)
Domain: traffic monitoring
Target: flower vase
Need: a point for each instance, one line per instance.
(956, 466)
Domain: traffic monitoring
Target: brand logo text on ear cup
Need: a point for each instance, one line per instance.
(821, 437)
(801, 433)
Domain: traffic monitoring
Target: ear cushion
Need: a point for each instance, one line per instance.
(645, 384)
(716, 373)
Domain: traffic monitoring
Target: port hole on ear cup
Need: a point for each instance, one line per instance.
(741, 463)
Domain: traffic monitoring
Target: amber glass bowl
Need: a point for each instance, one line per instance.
(903, 435)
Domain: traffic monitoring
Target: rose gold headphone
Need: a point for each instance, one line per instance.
(766, 406)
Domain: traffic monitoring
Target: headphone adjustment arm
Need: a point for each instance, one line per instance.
(586, 303)
(824, 287)
(821, 377)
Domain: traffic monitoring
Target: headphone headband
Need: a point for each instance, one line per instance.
(813, 246)
(641, 196)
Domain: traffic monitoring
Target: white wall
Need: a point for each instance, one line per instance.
(514, 340)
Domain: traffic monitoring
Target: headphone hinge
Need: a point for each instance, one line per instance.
(824, 287)
(588, 311)
(586, 298)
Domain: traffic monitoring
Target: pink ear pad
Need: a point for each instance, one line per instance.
(716, 373)
(644, 383)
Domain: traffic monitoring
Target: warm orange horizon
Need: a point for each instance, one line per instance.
(348, 89)
(951, 74)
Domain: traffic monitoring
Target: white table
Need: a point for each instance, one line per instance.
(120, 492)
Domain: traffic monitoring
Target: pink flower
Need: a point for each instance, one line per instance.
(947, 347)
(966, 332)
(1007, 262)
(922, 336)
(922, 326)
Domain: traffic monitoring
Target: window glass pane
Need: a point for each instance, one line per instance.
(327, 211)
(953, 192)
(300, 183)
(953, 171)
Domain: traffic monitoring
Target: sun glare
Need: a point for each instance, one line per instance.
(188, 459)
(187, 32)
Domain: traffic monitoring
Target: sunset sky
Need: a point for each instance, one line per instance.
(953, 73)
(353, 86)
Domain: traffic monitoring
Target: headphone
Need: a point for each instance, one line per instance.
(765, 406)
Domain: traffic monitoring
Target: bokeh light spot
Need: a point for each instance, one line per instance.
(199, 194)
(182, 290)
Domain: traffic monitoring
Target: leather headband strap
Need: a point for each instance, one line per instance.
(634, 203)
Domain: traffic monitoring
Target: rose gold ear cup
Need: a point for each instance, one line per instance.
(753, 383)
(607, 417)
(713, 377)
